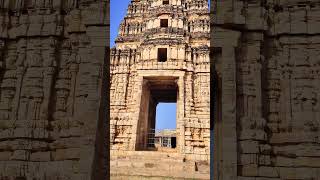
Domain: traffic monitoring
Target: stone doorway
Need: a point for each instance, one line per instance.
(155, 90)
(164, 136)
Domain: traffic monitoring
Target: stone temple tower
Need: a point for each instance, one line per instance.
(162, 55)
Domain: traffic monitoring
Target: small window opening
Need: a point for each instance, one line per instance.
(165, 2)
(162, 54)
(163, 22)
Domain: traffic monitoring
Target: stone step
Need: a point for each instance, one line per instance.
(146, 155)
(157, 164)
(121, 177)
(160, 170)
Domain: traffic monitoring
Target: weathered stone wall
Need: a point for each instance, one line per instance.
(52, 53)
(267, 61)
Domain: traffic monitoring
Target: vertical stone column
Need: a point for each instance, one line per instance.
(285, 100)
(48, 82)
(138, 92)
(228, 149)
(74, 68)
(253, 123)
(229, 135)
(49, 63)
(20, 73)
(181, 113)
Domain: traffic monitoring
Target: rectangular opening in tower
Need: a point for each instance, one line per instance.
(165, 2)
(156, 128)
(163, 22)
(162, 54)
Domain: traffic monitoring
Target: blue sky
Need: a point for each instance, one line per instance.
(166, 112)
(118, 9)
(166, 116)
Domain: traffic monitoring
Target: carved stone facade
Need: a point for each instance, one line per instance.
(267, 100)
(161, 55)
(268, 93)
(52, 54)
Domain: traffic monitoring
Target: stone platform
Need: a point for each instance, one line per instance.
(156, 165)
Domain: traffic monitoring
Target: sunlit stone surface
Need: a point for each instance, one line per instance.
(51, 57)
(161, 55)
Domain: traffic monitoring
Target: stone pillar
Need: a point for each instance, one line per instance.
(47, 85)
(138, 88)
(74, 68)
(181, 114)
(20, 74)
(228, 149)
(229, 134)
(252, 120)
(285, 100)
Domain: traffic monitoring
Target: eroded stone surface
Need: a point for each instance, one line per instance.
(267, 61)
(51, 61)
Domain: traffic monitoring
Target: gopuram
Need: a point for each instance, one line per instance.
(161, 55)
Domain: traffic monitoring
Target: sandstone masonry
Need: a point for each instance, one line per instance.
(268, 92)
(267, 88)
(51, 59)
(161, 54)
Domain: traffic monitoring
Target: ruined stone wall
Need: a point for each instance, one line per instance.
(267, 61)
(52, 53)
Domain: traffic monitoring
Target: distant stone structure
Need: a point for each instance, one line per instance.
(161, 55)
(51, 59)
(267, 97)
(165, 138)
(266, 87)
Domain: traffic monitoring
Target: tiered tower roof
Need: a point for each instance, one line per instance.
(164, 22)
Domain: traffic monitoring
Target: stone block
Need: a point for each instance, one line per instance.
(66, 154)
(40, 156)
(5, 155)
(22, 155)
(267, 171)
